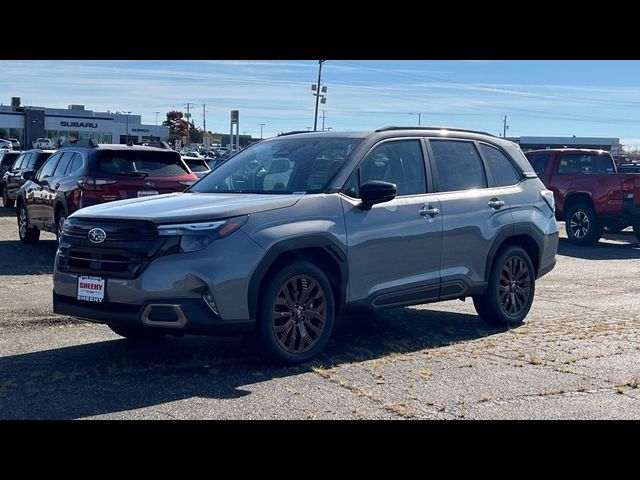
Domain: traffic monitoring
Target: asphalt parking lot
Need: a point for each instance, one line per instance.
(577, 355)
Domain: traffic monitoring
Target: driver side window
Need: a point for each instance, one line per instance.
(399, 162)
(48, 168)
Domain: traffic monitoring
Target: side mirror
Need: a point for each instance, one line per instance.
(377, 191)
(29, 175)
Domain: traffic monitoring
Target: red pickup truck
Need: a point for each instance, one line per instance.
(591, 195)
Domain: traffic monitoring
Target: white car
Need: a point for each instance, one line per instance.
(44, 144)
(5, 144)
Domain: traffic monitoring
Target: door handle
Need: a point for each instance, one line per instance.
(56, 186)
(424, 211)
(496, 203)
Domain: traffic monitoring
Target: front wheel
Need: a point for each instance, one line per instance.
(61, 217)
(27, 234)
(296, 314)
(510, 291)
(582, 225)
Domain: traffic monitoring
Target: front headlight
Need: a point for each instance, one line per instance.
(196, 236)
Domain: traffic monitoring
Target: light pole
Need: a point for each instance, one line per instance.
(308, 129)
(261, 125)
(157, 113)
(126, 119)
(419, 116)
(317, 89)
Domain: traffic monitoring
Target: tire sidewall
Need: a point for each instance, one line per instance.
(594, 232)
(61, 213)
(21, 207)
(266, 335)
(494, 281)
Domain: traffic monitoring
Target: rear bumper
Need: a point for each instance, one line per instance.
(195, 316)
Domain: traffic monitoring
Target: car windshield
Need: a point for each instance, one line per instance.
(153, 164)
(282, 165)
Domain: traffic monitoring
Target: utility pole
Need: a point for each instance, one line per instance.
(505, 127)
(317, 94)
(261, 125)
(157, 113)
(188, 105)
(204, 118)
(323, 117)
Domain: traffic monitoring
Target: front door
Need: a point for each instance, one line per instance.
(394, 247)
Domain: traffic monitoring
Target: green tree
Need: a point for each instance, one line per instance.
(195, 134)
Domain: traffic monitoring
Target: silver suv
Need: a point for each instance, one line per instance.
(297, 229)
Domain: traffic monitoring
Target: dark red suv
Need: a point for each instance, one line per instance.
(83, 174)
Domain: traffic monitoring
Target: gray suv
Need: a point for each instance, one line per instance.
(297, 229)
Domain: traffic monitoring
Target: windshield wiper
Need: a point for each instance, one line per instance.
(135, 174)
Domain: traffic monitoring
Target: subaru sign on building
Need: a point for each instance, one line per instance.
(63, 125)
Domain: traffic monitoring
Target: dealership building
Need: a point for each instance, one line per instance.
(29, 123)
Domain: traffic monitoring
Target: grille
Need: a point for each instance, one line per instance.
(129, 247)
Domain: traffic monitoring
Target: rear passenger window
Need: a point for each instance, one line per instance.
(540, 162)
(458, 165)
(399, 162)
(504, 173)
(63, 164)
(75, 164)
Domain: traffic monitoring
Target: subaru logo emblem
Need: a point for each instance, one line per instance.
(97, 235)
(149, 184)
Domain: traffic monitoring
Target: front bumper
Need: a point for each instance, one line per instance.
(223, 268)
(197, 316)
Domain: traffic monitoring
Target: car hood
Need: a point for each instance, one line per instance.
(187, 207)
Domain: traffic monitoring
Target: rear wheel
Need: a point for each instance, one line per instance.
(296, 314)
(582, 225)
(136, 333)
(28, 235)
(7, 202)
(510, 290)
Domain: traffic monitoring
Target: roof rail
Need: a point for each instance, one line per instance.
(83, 142)
(293, 132)
(390, 128)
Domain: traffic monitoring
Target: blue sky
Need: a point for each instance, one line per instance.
(583, 98)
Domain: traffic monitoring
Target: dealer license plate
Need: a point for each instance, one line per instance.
(91, 289)
(147, 193)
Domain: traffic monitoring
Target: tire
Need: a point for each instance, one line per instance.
(286, 331)
(504, 302)
(636, 230)
(136, 333)
(582, 225)
(6, 201)
(28, 235)
(61, 216)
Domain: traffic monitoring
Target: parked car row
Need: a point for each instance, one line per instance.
(46, 186)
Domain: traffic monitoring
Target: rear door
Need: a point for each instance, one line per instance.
(394, 247)
(50, 188)
(473, 210)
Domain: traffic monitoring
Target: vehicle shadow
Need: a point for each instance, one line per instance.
(19, 259)
(7, 212)
(602, 250)
(117, 375)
